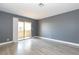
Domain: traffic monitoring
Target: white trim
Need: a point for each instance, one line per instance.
(15, 29)
(55, 40)
(6, 43)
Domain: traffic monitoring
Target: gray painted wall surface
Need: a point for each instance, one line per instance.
(61, 27)
(35, 28)
(6, 26)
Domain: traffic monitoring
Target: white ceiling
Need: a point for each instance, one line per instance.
(33, 10)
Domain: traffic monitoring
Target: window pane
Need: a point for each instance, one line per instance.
(27, 29)
(20, 29)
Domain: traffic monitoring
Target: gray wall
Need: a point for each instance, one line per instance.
(61, 27)
(35, 28)
(6, 26)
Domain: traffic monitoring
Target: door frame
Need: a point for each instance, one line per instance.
(15, 29)
(24, 22)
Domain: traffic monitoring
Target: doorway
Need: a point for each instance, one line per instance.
(24, 30)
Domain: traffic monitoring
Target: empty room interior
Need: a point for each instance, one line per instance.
(39, 28)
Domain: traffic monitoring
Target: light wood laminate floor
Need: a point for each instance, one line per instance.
(35, 46)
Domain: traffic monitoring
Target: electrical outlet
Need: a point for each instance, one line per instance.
(8, 39)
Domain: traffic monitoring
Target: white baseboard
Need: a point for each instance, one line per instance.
(65, 42)
(6, 43)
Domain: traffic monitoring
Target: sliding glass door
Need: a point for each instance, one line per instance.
(20, 30)
(24, 29)
(27, 29)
